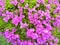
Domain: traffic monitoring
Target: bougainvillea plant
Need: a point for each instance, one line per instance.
(29, 22)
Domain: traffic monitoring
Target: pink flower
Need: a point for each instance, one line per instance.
(46, 31)
(26, 6)
(48, 6)
(41, 1)
(6, 19)
(21, 17)
(14, 30)
(23, 25)
(2, 6)
(50, 1)
(40, 40)
(34, 35)
(35, 16)
(22, 1)
(15, 20)
(14, 2)
(8, 15)
(29, 32)
(29, 43)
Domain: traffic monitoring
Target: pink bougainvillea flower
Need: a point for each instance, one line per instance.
(15, 20)
(14, 30)
(48, 6)
(29, 43)
(41, 17)
(26, 6)
(21, 17)
(29, 32)
(40, 41)
(23, 25)
(41, 1)
(8, 15)
(56, 2)
(34, 35)
(6, 19)
(11, 37)
(22, 1)
(2, 6)
(14, 2)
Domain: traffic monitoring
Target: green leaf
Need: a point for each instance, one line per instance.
(9, 6)
(46, 1)
(41, 7)
(4, 25)
(56, 33)
(32, 3)
(3, 41)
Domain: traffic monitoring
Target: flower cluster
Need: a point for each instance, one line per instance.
(44, 18)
